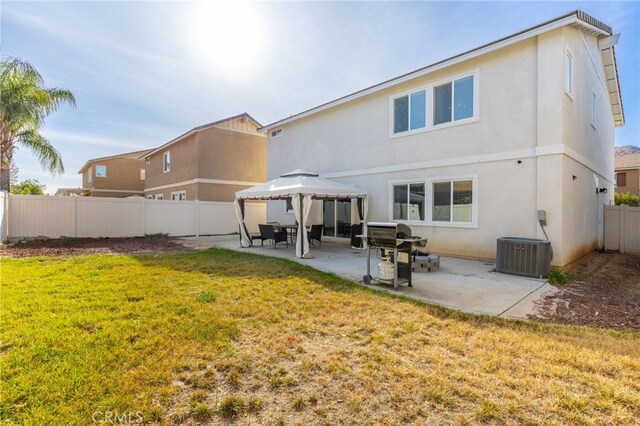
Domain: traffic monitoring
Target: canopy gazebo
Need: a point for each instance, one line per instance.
(302, 187)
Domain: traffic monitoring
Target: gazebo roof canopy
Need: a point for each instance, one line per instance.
(300, 182)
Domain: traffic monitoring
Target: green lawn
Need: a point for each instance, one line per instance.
(219, 335)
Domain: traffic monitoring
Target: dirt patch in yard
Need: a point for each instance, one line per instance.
(605, 293)
(79, 246)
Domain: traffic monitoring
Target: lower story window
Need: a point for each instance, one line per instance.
(453, 201)
(408, 201)
(179, 196)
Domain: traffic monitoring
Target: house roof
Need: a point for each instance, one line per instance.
(576, 18)
(629, 161)
(199, 128)
(135, 155)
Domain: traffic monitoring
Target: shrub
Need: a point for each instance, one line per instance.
(232, 406)
(206, 296)
(157, 235)
(559, 276)
(627, 198)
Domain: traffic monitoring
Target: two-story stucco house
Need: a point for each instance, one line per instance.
(471, 148)
(209, 162)
(119, 176)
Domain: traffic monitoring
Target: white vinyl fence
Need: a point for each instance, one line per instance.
(53, 217)
(622, 229)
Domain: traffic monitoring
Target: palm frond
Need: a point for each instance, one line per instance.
(47, 155)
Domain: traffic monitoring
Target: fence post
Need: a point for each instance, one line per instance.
(74, 215)
(144, 216)
(197, 218)
(624, 227)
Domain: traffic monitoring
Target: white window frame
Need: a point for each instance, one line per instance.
(474, 201)
(90, 174)
(105, 170)
(159, 196)
(594, 109)
(407, 182)
(166, 165)
(408, 93)
(142, 174)
(568, 82)
(275, 133)
(179, 196)
(430, 104)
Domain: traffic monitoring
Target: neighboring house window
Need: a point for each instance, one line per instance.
(159, 197)
(276, 133)
(408, 201)
(142, 172)
(593, 109)
(288, 206)
(151, 197)
(101, 171)
(453, 101)
(179, 196)
(166, 165)
(90, 174)
(452, 201)
(568, 73)
(410, 112)
(621, 179)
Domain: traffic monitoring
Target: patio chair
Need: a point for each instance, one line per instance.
(252, 236)
(315, 234)
(268, 232)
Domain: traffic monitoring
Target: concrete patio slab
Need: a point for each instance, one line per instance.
(462, 284)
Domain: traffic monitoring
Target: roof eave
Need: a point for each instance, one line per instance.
(569, 19)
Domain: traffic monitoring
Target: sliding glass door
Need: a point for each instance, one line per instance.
(336, 215)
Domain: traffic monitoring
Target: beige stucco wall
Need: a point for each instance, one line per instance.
(523, 116)
(227, 156)
(122, 179)
(632, 182)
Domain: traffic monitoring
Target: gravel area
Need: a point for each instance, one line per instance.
(605, 293)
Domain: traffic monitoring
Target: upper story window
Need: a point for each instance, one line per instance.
(159, 196)
(568, 73)
(166, 162)
(410, 111)
(101, 171)
(453, 101)
(440, 103)
(276, 133)
(142, 174)
(621, 179)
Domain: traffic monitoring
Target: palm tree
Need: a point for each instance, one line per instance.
(24, 104)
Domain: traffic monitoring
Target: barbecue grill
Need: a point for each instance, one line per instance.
(394, 241)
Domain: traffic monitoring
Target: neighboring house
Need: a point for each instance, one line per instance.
(209, 162)
(470, 148)
(117, 176)
(628, 174)
(70, 191)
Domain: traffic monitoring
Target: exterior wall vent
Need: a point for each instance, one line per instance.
(527, 257)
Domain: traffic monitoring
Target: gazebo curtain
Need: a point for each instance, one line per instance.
(245, 241)
(363, 210)
(301, 213)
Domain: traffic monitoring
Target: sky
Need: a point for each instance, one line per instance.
(145, 72)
